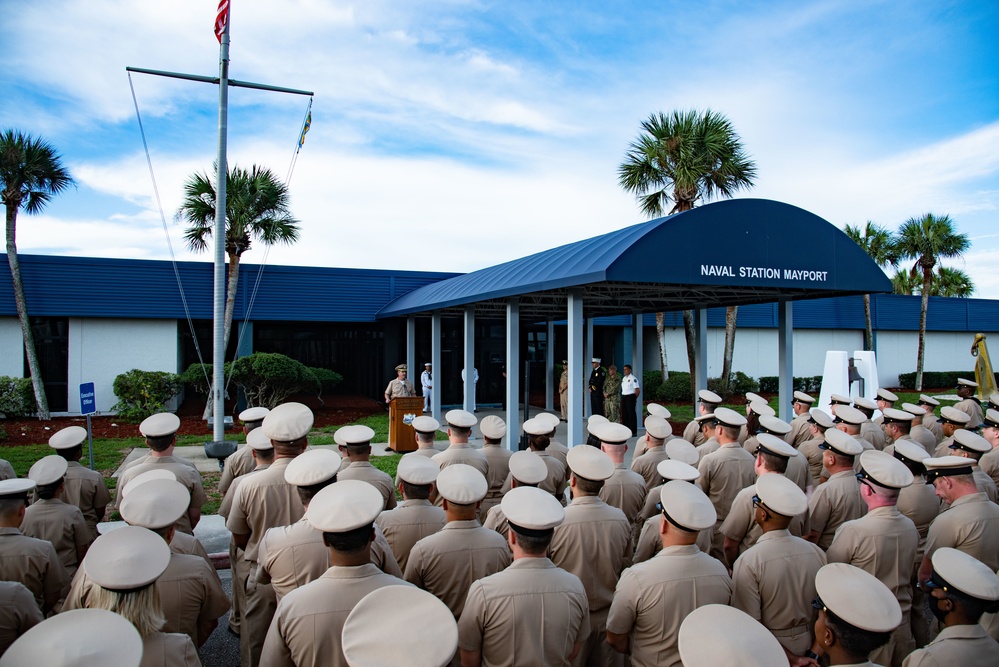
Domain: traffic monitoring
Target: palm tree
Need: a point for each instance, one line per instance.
(31, 173)
(952, 282)
(877, 243)
(927, 240)
(256, 209)
(681, 158)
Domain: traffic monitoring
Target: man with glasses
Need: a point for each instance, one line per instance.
(969, 403)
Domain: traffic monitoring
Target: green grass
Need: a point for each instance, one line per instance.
(387, 464)
(108, 455)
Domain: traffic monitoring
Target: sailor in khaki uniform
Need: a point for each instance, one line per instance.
(838, 499)
(919, 432)
(716, 634)
(836, 400)
(740, 528)
(593, 543)
(851, 421)
(774, 580)
(659, 411)
(818, 423)
(930, 420)
(725, 472)
(649, 543)
(493, 431)
(425, 428)
(554, 448)
(869, 431)
(897, 425)
(355, 444)
(160, 431)
(625, 489)
(431, 642)
(84, 488)
(969, 403)
(971, 524)
(459, 429)
(657, 430)
(31, 561)
(446, 563)
(972, 447)
(707, 402)
(538, 440)
(798, 470)
(265, 500)
(708, 426)
(241, 461)
(883, 543)
(653, 598)
(960, 589)
(526, 469)
(989, 463)
(308, 626)
(800, 429)
(677, 450)
(18, 613)
(884, 400)
(51, 519)
(757, 407)
(532, 612)
(415, 517)
(124, 565)
(77, 638)
(856, 614)
(400, 387)
(951, 419)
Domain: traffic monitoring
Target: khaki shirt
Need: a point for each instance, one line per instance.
(626, 491)
(932, 422)
(645, 465)
(801, 431)
(724, 474)
(189, 545)
(834, 503)
(365, 472)
(973, 409)
(810, 450)
(799, 472)
(654, 597)
(532, 613)
(559, 451)
(409, 523)
(919, 502)
(943, 449)
(774, 582)
(984, 482)
(447, 562)
(6, 470)
(650, 543)
(971, 525)
(18, 612)
(496, 520)
(709, 446)
(35, 564)
(62, 525)
(146, 458)
(873, 435)
(308, 624)
(883, 543)
(593, 543)
(237, 464)
(86, 489)
(462, 452)
(226, 507)
(498, 458)
(263, 500)
(692, 433)
(186, 475)
(964, 645)
(740, 526)
(163, 649)
(989, 463)
(558, 476)
(924, 437)
(399, 389)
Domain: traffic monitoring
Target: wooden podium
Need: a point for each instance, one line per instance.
(402, 437)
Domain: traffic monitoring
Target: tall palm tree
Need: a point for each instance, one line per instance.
(681, 158)
(877, 243)
(927, 240)
(31, 173)
(257, 208)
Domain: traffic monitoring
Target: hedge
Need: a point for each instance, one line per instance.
(143, 393)
(811, 384)
(936, 379)
(17, 397)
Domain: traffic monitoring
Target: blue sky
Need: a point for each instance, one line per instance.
(452, 135)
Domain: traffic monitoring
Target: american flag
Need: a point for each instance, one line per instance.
(221, 19)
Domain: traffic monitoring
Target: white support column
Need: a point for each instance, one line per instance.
(701, 324)
(587, 365)
(414, 368)
(637, 367)
(785, 358)
(512, 373)
(577, 368)
(435, 359)
(468, 391)
(550, 367)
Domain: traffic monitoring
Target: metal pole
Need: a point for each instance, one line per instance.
(218, 341)
(90, 442)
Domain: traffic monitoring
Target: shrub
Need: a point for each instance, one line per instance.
(936, 379)
(142, 393)
(269, 378)
(651, 382)
(17, 397)
(810, 384)
(675, 390)
(199, 376)
(326, 379)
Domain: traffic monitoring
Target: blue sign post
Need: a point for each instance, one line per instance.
(88, 406)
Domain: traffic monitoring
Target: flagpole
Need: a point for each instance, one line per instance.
(218, 328)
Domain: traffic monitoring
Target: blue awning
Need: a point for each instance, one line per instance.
(732, 252)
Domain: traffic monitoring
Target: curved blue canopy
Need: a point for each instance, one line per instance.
(731, 252)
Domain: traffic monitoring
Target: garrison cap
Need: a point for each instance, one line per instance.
(658, 427)
(820, 417)
(839, 399)
(717, 635)
(687, 507)
(774, 425)
(858, 597)
(160, 425)
(426, 424)
(911, 408)
(951, 415)
(884, 470)
(658, 410)
(313, 467)
(76, 638)
(928, 400)
(417, 470)
(253, 414)
(17, 487)
(908, 450)
(148, 476)
(590, 463)
(728, 417)
(462, 484)
(802, 397)
(492, 427)
(679, 449)
(708, 396)
(48, 470)
(893, 416)
(71, 436)
(347, 505)
(126, 558)
(537, 426)
(886, 395)
(288, 422)
(965, 573)
(850, 415)
(946, 466)
(762, 408)
(865, 403)
(529, 468)
(841, 443)
(771, 444)
(781, 495)
(991, 419)
(670, 469)
(156, 504)
(968, 441)
(460, 418)
(431, 642)
(529, 510)
(966, 383)
(356, 435)
(258, 440)
(611, 433)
